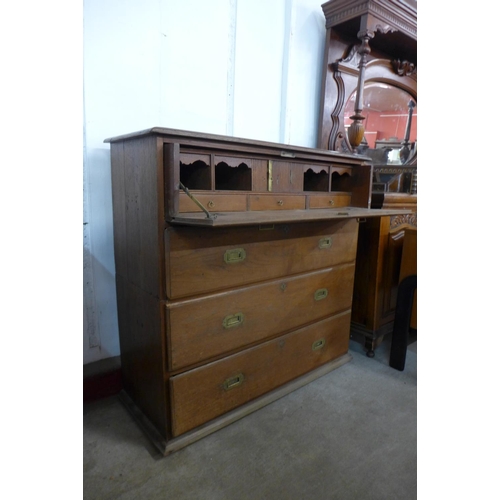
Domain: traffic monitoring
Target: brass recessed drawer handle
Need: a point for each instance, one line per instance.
(318, 344)
(320, 294)
(280, 203)
(233, 382)
(325, 242)
(233, 320)
(234, 255)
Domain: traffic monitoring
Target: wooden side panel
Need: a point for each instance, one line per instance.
(366, 280)
(171, 158)
(142, 209)
(197, 264)
(119, 210)
(138, 211)
(216, 324)
(361, 186)
(141, 317)
(214, 389)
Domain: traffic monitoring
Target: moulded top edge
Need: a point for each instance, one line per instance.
(222, 140)
(401, 14)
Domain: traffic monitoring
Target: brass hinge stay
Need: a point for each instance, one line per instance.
(186, 190)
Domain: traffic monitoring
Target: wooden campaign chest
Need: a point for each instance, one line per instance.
(234, 271)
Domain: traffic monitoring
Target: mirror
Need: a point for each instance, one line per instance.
(390, 135)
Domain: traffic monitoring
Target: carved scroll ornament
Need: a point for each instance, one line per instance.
(403, 68)
(399, 220)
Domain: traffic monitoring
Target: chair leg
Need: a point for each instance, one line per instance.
(402, 320)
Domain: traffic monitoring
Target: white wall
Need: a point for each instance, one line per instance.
(245, 68)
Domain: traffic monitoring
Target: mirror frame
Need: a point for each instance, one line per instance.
(345, 75)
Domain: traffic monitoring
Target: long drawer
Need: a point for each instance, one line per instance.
(207, 392)
(203, 260)
(215, 324)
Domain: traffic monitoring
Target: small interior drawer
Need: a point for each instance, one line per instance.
(213, 202)
(276, 202)
(329, 201)
(204, 393)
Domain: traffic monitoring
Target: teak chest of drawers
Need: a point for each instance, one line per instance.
(234, 272)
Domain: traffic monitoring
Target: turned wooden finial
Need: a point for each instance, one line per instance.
(356, 130)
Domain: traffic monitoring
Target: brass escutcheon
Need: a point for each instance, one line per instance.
(331, 203)
(283, 287)
(280, 203)
(211, 204)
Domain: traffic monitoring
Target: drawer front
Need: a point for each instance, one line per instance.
(276, 202)
(207, 392)
(213, 202)
(215, 324)
(206, 260)
(329, 201)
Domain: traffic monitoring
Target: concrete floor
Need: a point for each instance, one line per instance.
(351, 434)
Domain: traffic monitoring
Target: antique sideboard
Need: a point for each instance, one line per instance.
(235, 263)
(369, 106)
